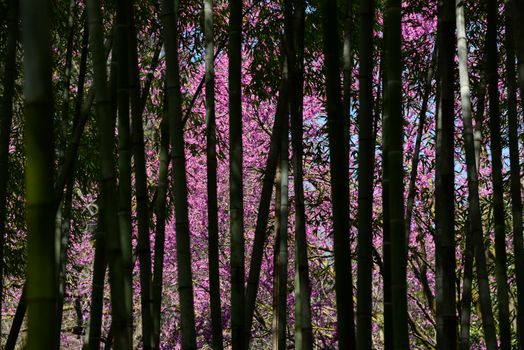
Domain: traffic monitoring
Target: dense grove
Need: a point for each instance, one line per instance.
(312, 174)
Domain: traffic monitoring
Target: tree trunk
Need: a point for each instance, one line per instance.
(393, 108)
(6, 116)
(39, 146)
(386, 232)
(123, 8)
(236, 210)
(176, 134)
(278, 329)
(282, 258)
(496, 173)
(303, 329)
(63, 228)
(105, 110)
(160, 213)
(444, 185)
(97, 287)
(142, 210)
(212, 214)
(412, 189)
(473, 195)
(366, 149)
(339, 178)
(347, 66)
(516, 188)
(263, 208)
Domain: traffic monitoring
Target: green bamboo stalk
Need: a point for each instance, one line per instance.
(39, 146)
(263, 210)
(97, 286)
(475, 217)
(496, 173)
(160, 227)
(119, 302)
(303, 329)
(278, 334)
(63, 226)
(137, 137)
(283, 208)
(176, 133)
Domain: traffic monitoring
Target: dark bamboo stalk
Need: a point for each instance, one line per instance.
(138, 148)
(236, 210)
(105, 110)
(365, 177)
(213, 252)
(6, 117)
(303, 329)
(515, 186)
(176, 134)
(393, 90)
(339, 178)
(496, 173)
(444, 184)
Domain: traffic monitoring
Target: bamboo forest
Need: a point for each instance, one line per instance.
(261, 174)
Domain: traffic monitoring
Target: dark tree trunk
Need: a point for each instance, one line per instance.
(339, 178)
(444, 184)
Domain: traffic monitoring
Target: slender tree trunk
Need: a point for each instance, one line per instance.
(339, 178)
(347, 66)
(41, 266)
(496, 173)
(176, 134)
(467, 279)
(386, 232)
(303, 329)
(365, 177)
(61, 182)
(137, 135)
(264, 207)
(516, 188)
(105, 111)
(444, 185)
(278, 329)
(97, 287)
(18, 318)
(238, 326)
(412, 189)
(160, 213)
(516, 8)
(123, 8)
(393, 106)
(282, 253)
(63, 228)
(283, 208)
(479, 116)
(475, 217)
(159, 206)
(212, 214)
(6, 116)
